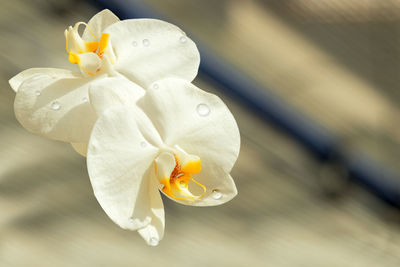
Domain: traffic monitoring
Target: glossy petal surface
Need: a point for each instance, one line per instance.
(202, 125)
(120, 157)
(56, 106)
(148, 50)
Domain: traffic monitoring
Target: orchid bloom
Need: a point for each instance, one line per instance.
(55, 103)
(176, 139)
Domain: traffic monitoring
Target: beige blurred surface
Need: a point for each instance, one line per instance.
(280, 217)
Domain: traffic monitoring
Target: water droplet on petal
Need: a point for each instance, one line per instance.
(146, 42)
(183, 39)
(153, 241)
(85, 99)
(143, 144)
(55, 105)
(203, 110)
(134, 43)
(155, 86)
(216, 194)
(37, 93)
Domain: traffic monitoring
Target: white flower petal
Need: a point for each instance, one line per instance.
(119, 159)
(148, 50)
(89, 63)
(107, 67)
(98, 23)
(18, 79)
(165, 165)
(81, 148)
(113, 92)
(74, 43)
(201, 124)
(220, 187)
(56, 107)
(154, 232)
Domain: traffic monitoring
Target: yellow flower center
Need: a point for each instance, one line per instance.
(87, 55)
(176, 184)
(93, 47)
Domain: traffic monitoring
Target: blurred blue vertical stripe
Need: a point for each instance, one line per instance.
(381, 181)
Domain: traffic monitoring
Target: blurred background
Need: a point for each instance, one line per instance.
(335, 63)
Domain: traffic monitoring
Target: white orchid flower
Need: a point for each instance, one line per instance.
(176, 138)
(54, 103)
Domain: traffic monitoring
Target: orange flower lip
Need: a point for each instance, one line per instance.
(91, 47)
(78, 49)
(176, 185)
